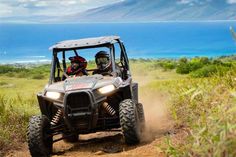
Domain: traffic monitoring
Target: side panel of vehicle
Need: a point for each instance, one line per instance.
(46, 107)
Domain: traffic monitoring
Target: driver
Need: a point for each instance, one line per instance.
(103, 63)
(78, 66)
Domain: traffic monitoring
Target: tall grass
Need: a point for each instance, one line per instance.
(15, 112)
(207, 107)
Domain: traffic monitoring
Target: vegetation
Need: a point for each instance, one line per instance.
(203, 67)
(34, 72)
(202, 100)
(203, 103)
(17, 103)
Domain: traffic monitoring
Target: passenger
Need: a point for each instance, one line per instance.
(78, 66)
(103, 63)
(104, 66)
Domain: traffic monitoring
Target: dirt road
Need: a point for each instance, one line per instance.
(111, 144)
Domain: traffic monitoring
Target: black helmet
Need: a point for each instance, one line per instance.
(102, 60)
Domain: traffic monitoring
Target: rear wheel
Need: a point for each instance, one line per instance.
(40, 139)
(130, 122)
(141, 115)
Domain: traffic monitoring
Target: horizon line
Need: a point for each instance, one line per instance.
(120, 22)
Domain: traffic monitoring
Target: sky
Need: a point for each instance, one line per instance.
(19, 8)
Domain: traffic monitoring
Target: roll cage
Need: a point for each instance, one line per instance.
(56, 66)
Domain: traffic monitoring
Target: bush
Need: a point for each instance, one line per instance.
(10, 74)
(3, 83)
(202, 67)
(38, 72)
(204, 71)
(22, 74)
(186, 67)
(217, 62)
(183, 68)
(167, 65)
(200, 60)
(8, 68)
(38, 76)
(183, 60)
(209, 70)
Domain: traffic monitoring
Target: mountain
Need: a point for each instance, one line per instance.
(158, 10)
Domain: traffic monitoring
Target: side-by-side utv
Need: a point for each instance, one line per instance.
(85, 104)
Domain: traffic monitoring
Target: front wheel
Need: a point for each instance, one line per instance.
(130, 122)
(39, 138)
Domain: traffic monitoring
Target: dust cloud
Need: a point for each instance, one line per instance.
(157, 117)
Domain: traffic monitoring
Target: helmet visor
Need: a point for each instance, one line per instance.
(102, 60)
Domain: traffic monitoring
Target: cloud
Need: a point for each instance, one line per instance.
(231, 1)
(5, 9)
(203, 1)
(185, 1)
(16, 8)
(193, 2)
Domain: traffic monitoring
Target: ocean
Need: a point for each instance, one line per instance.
(20, 43)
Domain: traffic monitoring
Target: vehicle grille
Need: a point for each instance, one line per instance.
(78, 109)
(78, 102)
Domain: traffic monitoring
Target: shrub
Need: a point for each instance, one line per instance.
(217, 62)
(204, 71)
(10, 74)
(183, 60)
(8, 68)
(168, 65)
(22, 74)
(3, 83)
(185, 67)
(38, 76)
(204, 60)
(209, 70)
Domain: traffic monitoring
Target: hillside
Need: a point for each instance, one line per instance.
(158, 10)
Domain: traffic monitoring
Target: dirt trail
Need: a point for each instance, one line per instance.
(111, 144)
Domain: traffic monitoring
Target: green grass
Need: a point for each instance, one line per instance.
(206, 107)
(17, 103)
(34, 72)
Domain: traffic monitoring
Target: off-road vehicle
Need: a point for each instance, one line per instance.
(85, 104)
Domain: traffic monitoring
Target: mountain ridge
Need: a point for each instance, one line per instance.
(157, 10)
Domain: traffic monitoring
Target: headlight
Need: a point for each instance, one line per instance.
(53, 95)
(106, 89)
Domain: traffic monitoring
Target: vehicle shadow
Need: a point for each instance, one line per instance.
(106, 142)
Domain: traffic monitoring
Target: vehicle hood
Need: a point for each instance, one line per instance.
(84, 82)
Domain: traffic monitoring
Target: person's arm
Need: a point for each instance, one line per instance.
(84, 71)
